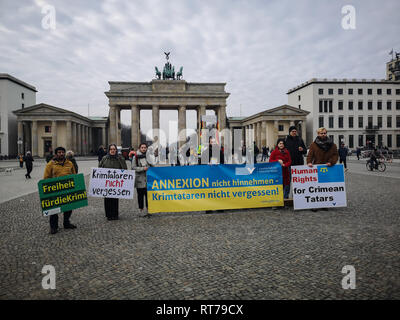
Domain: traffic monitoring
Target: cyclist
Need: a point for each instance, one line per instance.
(375, 155)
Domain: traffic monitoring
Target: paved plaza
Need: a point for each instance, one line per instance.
(235, 254)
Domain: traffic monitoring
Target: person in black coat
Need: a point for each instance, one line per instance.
(296, 147)
(101, 153)
(28, 164)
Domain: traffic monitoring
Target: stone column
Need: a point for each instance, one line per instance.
(83, 128)
(258, 137)
(34, 139)
(276, 131)
(73, 144)
(69, 135)
(304, 132)
(135, 121)
(263, 133)
(27, 135)
(54, 135)
(90, 145)
(118, 120)
(20, 137)
(103, 138)
(181, 123)
(222, 117)
(113, 124)
(85, 139)
(201, 111)
(156, 117)
(79, 138)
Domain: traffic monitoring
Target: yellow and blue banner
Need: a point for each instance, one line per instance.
(214, 187)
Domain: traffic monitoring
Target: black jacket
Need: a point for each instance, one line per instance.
(28, 160)
(293, 144)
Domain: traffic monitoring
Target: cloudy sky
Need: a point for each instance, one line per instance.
(260, 49)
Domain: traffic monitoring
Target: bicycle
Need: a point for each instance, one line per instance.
(370, 165)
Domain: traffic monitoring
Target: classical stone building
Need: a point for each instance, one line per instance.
(43, 126)
(163, 95)
(14, 94)
(267, 126)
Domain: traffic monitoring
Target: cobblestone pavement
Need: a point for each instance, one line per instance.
(242, 254)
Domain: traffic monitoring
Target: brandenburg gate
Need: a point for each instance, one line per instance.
(168, 93)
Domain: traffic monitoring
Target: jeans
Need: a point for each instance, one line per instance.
(286, 191)
(344, 161)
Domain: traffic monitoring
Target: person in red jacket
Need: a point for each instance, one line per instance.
(282, 155)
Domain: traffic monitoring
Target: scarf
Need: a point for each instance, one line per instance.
(323, 144)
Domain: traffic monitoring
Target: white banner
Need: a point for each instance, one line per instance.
(111, 183)
(318, 187)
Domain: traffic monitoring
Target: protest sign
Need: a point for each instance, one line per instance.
(111, 183)
(214, 187)
(62, 194)
(318, 187)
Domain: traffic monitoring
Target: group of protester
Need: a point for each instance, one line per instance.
(288, 152)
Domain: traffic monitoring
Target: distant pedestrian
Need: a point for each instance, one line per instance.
(343, 152)
(115, 161)
(256, 151)
(70, 156)
(264, 154)
(28, 164)
(58, 167)
(21, 160)
(141, 165)
(358, 153)
(282, 155)
(50, 156)
(101, 153)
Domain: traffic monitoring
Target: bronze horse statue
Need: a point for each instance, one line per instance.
(179, 74)
(158, 73)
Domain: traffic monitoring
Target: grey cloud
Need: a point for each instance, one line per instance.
(259, 48)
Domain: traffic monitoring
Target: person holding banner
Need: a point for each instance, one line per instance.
(114, 161)
(322, 150)
(282, 155)
(296, 147)
(141, 165)
(58, 167)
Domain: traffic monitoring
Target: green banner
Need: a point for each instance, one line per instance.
(62, 194)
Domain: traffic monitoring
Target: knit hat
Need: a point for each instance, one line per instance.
(59, 148)
(292, 128)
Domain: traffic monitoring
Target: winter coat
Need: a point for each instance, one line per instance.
(114, 162)
(293, 144)
(138, 165)
(100, 154)
(55, 168)
(316, 155)
(285, 157)
(74, 163)
(28, 161)
(343, 153)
